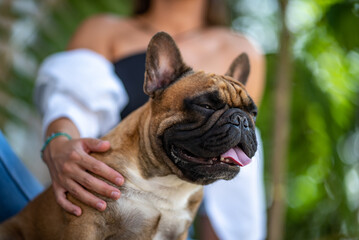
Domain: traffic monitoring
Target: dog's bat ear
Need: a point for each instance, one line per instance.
(240, 68)
(164, 64)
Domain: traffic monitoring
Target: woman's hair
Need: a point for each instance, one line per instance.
(217, 12)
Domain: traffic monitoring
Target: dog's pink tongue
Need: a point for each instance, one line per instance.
(237, 155)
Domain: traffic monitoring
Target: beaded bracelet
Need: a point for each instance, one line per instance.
(53, 136)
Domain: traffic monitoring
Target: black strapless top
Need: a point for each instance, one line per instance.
(131, 70)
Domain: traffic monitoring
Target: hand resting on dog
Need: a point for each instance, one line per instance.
(68, 161)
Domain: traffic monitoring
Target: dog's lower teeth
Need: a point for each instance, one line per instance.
(226, 160)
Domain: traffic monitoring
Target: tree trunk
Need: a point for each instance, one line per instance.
(281, 132)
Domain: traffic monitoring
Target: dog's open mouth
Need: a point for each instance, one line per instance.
(233, 157)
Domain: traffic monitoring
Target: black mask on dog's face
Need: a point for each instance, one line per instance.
(215, 134)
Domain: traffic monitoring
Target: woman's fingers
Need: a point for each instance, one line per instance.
(95, 166)
(77, 191)
(90, 182)
(60, 195)
(70, 163)
(95, 145)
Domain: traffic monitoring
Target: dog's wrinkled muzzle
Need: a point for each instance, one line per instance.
(232, 129)
(219, 145)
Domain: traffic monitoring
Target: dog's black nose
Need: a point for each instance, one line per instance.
(238, 120)
(235, 119)
(245, 123)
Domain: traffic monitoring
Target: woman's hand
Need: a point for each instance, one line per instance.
(69, 161)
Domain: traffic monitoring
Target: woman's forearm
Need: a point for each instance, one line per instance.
(64, 125)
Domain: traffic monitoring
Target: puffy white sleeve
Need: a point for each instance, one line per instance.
(236, 208)
(80, 85)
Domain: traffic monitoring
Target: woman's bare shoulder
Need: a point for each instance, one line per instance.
(97, 32)
(237, 42)
(106, 21)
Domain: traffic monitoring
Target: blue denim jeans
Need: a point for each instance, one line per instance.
(17, 185)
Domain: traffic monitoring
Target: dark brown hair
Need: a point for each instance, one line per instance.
(217, 12)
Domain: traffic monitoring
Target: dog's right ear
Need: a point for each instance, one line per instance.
(164, 64)
(240, 68)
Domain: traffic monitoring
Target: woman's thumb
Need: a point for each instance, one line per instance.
(96, 145)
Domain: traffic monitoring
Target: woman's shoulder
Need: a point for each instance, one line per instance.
(96, 33)
(105, 21)
(234, 41)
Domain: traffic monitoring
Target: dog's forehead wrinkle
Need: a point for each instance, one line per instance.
(231, 91)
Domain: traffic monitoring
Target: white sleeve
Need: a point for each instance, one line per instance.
(80, 85)
(237, 208)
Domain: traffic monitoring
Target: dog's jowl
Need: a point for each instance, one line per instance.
(196, 128)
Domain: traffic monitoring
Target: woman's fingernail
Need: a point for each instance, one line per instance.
(100, 206)
(115, 195)
(76, 213)
(101, 143)
(119, 181)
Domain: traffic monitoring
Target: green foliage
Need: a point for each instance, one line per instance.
(322, 196)
(341, 17)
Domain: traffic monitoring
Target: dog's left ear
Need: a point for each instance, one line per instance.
(164, 64)
(240, 68)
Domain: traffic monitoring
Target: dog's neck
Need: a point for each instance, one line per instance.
(142, 176)
(172, 192)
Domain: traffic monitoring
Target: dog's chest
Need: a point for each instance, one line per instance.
(156, 209)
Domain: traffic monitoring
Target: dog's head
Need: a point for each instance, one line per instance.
(203, 122)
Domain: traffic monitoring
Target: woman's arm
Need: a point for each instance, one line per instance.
(67, 97)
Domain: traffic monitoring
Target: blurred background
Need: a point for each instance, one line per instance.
(309, 117)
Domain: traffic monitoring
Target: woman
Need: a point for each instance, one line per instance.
(78, 96)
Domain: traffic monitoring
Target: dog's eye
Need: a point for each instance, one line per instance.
(206, 106)
(254, 113)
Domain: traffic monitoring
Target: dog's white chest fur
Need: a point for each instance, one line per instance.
(160, 203)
